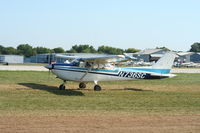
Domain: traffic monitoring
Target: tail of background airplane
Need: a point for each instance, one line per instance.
(165, 62)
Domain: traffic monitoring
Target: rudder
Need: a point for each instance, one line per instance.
(165, 62)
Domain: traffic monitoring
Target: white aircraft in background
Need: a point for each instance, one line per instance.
(95, 69)
(189, 64)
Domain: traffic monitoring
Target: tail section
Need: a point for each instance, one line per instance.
(165, 62)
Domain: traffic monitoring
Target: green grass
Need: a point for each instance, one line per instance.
(33, 92)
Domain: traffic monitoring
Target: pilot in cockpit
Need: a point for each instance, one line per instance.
(87, 65)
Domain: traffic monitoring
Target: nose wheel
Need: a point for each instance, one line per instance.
(62, 86)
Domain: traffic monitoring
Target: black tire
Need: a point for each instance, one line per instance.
(82, 85)
(62, 87)
(97, 88)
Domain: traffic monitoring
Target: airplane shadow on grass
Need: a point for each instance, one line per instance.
(135, 89)
(53, 89)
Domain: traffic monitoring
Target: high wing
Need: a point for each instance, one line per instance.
(95, 59)
(104, 59)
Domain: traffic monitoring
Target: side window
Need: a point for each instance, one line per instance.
(88, 65)
(82, 64)
(96, 66)
(101, 66)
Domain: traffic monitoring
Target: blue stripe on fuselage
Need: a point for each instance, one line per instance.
(162, 71)
(117, 69)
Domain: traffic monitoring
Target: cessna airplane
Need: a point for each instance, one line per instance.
(86, 69)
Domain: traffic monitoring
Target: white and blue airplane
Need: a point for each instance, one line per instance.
(95, 69)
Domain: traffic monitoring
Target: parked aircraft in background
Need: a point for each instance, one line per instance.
(190, 64)
(95, 69)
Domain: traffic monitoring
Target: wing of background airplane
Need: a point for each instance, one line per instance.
(95, 59)
(129, 56)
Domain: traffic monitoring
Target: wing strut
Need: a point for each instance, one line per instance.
(89, 69)
(84, 74)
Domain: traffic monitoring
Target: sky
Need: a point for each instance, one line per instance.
(124, 24)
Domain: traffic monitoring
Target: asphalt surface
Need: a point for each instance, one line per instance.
(23, 68)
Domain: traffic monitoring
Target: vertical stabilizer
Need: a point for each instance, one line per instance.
(165, 62)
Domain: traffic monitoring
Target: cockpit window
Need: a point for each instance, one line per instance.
(92, 65)
(103, 66)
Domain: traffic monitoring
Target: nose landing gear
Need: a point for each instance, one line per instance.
(62, 86)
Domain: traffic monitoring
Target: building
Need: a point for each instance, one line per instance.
(149, 55)
(43, 58)
(195, 57)
(184, 57)
(11, 59)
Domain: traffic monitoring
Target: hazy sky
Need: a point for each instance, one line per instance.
(118, 23)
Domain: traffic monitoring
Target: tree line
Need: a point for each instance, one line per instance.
(27, 50)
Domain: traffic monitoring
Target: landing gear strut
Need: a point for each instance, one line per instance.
(82, 85)
(62, 86)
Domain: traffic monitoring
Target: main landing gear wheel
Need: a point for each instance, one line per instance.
(97, 88)
(62, 87)
(82, 85)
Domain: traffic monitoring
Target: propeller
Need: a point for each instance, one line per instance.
(50, 67)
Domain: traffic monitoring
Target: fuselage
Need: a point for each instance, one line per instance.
(70, 72)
